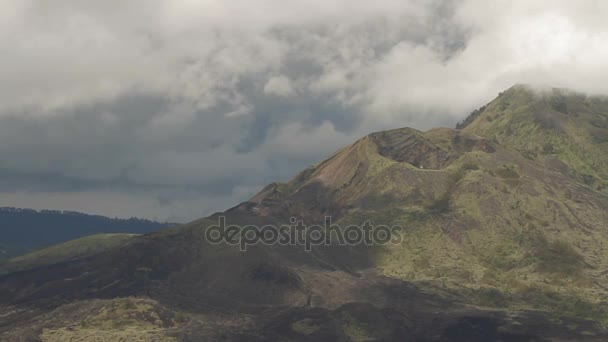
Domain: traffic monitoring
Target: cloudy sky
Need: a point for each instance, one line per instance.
(174, 109)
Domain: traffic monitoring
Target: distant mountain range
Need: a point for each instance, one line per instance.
(24, 230)
(503, 226)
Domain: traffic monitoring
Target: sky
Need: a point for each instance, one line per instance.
(175, 109)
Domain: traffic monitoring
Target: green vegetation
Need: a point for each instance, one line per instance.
(440, 205)
(356, 330)
(122, 319)
(557, 123)
(306, 326)
(78, 248)
(557, 257)
(469, 119)
(491, 297)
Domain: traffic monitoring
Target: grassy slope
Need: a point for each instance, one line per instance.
(120, 319)
(78, 248)
(551, 124)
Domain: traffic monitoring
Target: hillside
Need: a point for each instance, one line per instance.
(25, 230)
(548, 125)
(502, 227)
(78, 248)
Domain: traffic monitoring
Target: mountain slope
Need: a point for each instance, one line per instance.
(548, 124)
(24, 230)
(475, 212)
(78, 248)
(501, 238)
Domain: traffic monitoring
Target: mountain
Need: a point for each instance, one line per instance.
(499, 230)
(24, 230)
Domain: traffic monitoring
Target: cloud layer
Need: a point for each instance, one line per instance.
(174, 109)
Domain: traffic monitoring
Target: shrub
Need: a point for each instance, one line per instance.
(469, 119)
(556, 257)
(507, 172)
(470, 166)
(441, 205)
(491, 297)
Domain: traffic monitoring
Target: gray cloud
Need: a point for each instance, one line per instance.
(175, 109)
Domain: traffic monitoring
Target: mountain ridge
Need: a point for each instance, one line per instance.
(25, 230)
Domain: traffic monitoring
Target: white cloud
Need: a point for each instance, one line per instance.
(278, 85)
(235, 94)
